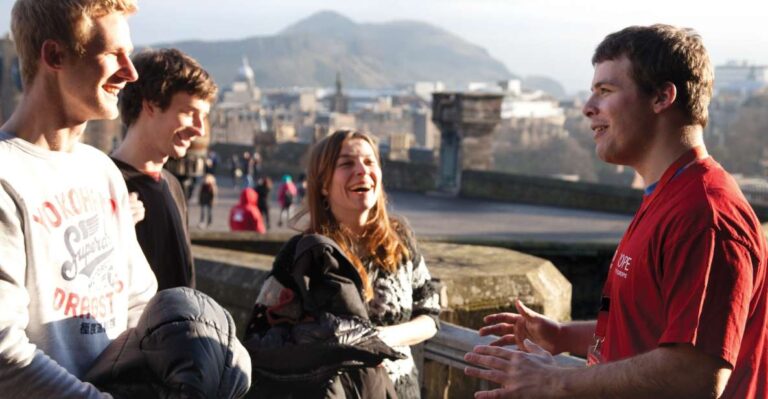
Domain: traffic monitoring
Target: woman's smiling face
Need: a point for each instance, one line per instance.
(356, 183)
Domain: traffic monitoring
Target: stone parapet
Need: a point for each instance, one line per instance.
(535, 190)
(405, 176)
(246, 241)
(475, 281)
(549, 192)
(232, 278)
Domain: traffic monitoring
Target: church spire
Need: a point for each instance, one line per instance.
(339, 102)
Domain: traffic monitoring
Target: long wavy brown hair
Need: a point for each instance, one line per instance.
(380, 240)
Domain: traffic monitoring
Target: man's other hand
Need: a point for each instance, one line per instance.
(516, 328)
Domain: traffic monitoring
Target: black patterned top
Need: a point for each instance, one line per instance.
(399, 297)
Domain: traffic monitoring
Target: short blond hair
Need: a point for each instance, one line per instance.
(66, 21)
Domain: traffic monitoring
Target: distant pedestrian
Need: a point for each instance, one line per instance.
(301, 187)
(286, 196)
(207, 197)
(246, 166)
(237, 172)
(196, 166)
(211, 163)
(245, 216)
(264, 188)
(255, 169)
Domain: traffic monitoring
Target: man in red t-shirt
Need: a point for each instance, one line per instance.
(684, 310)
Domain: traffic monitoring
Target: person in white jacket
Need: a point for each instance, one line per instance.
(72, 275)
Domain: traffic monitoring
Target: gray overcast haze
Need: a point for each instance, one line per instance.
(554, 38)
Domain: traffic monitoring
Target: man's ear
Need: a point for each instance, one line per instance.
(148, 107)
(52, 54)
(665, 97)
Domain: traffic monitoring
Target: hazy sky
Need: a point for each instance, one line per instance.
(532, 37)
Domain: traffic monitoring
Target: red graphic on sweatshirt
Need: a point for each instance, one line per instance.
(74, 202)
(73, 304)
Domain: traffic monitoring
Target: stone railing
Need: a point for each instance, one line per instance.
(450, 344)
(475, 281)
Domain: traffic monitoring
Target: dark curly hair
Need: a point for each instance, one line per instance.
(163, 73)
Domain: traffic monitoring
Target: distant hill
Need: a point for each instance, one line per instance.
(311, 51)
(545, 84)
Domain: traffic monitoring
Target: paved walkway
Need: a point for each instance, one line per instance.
(480, 219)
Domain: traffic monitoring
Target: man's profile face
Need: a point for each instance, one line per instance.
(93, 81)
(620, 114)
(173, 130)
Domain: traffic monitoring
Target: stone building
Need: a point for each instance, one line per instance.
(236, 118)
(467, 122)
(740, 77)
(290, 114)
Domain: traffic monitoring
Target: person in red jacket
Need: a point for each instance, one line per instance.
(245, 216)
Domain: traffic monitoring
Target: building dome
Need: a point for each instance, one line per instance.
(245, 72)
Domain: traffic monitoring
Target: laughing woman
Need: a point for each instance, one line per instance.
(345, 202)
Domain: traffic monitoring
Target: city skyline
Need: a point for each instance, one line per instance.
(557, 37)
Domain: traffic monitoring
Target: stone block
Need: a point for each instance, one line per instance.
(478, 279)
(232, 278)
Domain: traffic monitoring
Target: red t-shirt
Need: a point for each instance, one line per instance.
(691, 269)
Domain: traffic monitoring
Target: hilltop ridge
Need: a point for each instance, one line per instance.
(368, 55)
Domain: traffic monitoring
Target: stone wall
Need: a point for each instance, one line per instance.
(276, 160)
(475, 281)
(232, 278)
(518, 188)
(584, 265)
(549, 192)
(405, 176)
(499, 186)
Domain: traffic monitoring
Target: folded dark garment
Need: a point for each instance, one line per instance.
(317, 349)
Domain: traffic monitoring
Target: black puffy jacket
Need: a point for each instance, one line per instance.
(183, 346)
(309, 335)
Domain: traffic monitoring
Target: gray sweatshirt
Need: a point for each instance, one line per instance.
(72, 275)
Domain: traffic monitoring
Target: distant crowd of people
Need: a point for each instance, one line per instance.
(252, 212)
(97, 277)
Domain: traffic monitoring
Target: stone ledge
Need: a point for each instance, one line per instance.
(477, 280)
(232, 278)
